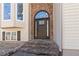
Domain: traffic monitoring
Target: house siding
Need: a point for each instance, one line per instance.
(70, 26)
(70, 52)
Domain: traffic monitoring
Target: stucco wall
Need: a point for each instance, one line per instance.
(25, 28)
(57, 24)
(13, 22)
(14, 25)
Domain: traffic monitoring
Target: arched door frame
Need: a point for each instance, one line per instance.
(48, 18)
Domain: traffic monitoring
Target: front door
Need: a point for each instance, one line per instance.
(42, 29)
(41, 24)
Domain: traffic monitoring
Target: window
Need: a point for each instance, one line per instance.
(7, 35)
(13, 36)
(41, 22)
(41, 14)
(19, 11)
(7, 11)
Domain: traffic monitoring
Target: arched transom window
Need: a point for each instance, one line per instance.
(41, 14)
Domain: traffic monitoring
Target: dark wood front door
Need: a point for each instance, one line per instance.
(41, 25)
(42, 29)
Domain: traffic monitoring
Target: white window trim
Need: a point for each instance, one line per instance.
(3, 13)
(16, 14)
(10, 35)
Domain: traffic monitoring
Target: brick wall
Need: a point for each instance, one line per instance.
(35, 7)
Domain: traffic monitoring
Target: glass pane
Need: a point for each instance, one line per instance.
(7, 35)
(13, 36)
(20, 11)
(7, 11)
(41, 22)
(41, 14)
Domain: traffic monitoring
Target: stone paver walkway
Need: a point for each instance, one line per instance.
(7, 47)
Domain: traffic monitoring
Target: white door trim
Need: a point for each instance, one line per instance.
(47, 28)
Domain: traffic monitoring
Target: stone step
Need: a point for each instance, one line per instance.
(40, 47)
(40, 51)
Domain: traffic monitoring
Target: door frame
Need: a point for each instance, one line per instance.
(48, 19)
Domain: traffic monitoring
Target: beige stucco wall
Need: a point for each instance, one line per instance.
(0, 35)
(14, 25)
(57, 24)
(25, 30)
(13, 22)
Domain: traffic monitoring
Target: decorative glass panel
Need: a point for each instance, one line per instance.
(13, 36)
(20, 11)
(7, 11)
(7, 35)
(41, 22)
(41, 14)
